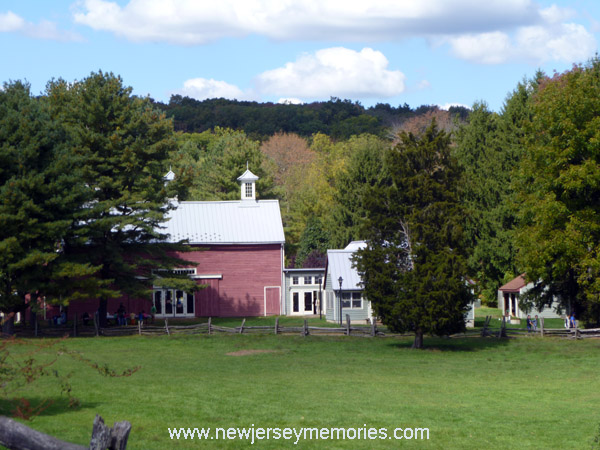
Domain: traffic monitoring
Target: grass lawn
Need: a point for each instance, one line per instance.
(482, 312)
(471, 393)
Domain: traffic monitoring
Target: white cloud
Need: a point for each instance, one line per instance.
(447, 106)
(201, 89)
(338, 72)
(562, 42)
(423, 84)
(201, 21)
(549, 38)
(12, 23)
(290, 101)
(535, 44)
(486, 48)
(331, 72)
(488, 32)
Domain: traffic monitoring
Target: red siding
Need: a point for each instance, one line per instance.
(247, 272)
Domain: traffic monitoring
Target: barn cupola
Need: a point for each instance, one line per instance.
(248, 185)
(168, 177)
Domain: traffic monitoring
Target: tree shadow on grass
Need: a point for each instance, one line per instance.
(22, 407)
(456, 344)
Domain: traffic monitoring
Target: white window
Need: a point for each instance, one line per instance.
(318, 280)
(179, 271)
(173, 303)
(248, 190)
(352, 300)
(295, 280)
(307, 280)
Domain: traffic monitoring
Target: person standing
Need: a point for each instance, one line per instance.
(152, 312)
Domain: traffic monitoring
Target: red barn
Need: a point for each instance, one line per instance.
(238, 255)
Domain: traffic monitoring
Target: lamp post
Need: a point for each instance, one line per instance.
(340, 280)
(321, 284)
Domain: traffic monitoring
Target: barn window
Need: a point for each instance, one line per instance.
(295, 280)
(248, 190)
(307, 280)
(173, 302)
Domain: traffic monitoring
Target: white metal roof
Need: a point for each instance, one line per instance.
(226, 222)
(339, 264)
(247, 176)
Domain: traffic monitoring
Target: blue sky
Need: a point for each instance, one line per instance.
(390, 51)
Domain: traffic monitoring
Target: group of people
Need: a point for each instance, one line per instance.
(570, 321)
(121, 317)
(532, 324)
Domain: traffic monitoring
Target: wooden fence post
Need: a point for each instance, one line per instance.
(140, 327)
(277, 325)
(96, 326)
(242, 327)
(542, 326)
(305, 331)
(167, 326)
(347, 324)
(75, 326)
(503, 327)
(209, 325)
(484, 331)
(373, 327)
(105, 437)
(17, 436)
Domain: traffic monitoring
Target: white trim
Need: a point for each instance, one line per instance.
(190, 271)
(282, 295)
(215, 276)
(265, 298)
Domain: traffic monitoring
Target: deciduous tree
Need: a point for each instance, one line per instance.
(559, 235)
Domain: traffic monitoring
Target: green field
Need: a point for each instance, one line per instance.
(471, 393)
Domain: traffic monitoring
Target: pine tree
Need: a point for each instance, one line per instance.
(39, 197)
(363, 170)
(314, 243)
(414, 266)
(122, 144)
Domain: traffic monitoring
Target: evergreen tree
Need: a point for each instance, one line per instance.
(122, 144)
(487, 196)
(314, 243)
(38, 200)
(225, 156)
(414, 266)
(363, 170)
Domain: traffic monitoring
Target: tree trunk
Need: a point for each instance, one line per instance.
(102, 308)
(32, 319)
(8, 326)
(418, 343)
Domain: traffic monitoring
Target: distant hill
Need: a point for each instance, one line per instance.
(337, 118)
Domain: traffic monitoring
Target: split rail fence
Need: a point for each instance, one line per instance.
(348, 329)
(507, 331)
